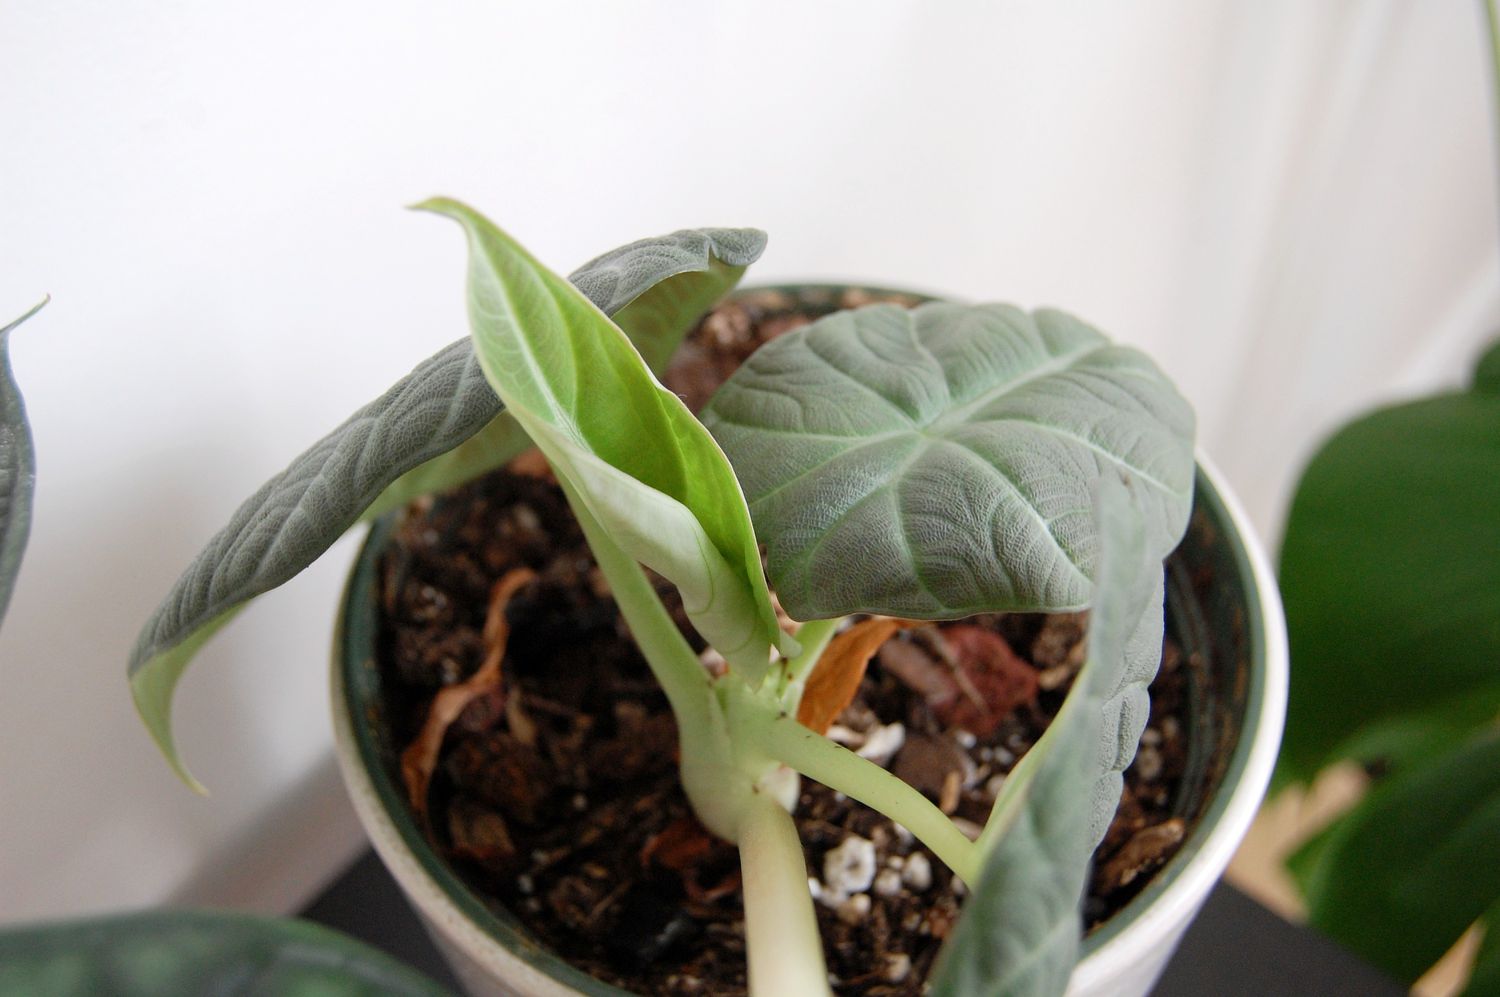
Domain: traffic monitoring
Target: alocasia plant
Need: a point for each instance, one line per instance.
(930, 463)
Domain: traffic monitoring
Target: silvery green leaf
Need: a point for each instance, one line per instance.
(197, 952)
(937, 462)
(17, 468)
(629, 449)
(1020, 929)
(439, 426)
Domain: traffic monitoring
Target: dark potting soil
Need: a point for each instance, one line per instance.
(556, 796)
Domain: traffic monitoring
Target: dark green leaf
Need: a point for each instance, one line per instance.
(629, 448)
(437, 427)
(1484, 981)
(191, 952)
(1390, 572)
(876, 445)
(17, 469)
(1412, 866)
(1020, 930)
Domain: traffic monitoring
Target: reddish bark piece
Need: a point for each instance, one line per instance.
(420, 757)
(999, 680)
(679, 846)
(835, 678)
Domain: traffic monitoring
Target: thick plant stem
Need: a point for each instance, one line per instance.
(840, 769)
(781, 929)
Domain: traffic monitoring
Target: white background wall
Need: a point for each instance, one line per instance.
(1289, 204)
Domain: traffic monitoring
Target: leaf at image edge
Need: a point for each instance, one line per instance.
(1401, 876)
(17, 467)
(180, 952)
(1388, 575)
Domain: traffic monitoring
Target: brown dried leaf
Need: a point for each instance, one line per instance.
(835, 678)
(993, 678)
(420, 757)
(532, 464)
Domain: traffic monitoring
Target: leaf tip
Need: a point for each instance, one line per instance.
(46, 300)
(153, 702)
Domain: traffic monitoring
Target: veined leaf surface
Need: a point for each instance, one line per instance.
(437, 427)
(17, 468)
(645, 467)
(1020, 930)
(198, 952)
(937, 462)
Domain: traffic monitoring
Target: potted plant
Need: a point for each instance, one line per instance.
(899, 465)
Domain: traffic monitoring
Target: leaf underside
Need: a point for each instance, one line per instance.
(628, 447)
(1020, 930)
(17, 468)
(437, 427)
(876, 446)
(192, 952)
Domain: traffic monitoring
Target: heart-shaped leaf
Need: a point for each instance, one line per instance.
(1403, 874)
(1020, 929)
(17, 468)
(629, 449)
(1390, 572)
(197, 952)
(938, 462)
(437, 427)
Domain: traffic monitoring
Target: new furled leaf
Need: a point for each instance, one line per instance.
(876, 445)
(629, 448)
(437, 427)
(17, 468)
(1020, 930)
(193, 952)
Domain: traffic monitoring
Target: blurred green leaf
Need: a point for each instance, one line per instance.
(1484, 981)
(1390, 572)
(1400, 877)
(17, 468)
(181, 953)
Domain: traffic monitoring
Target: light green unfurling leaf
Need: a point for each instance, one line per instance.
(647, 469)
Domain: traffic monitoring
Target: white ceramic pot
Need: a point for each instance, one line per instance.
(1235, 623)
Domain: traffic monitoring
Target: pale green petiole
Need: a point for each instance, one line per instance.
(838, 768)
(814, 636)
(781, 929)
